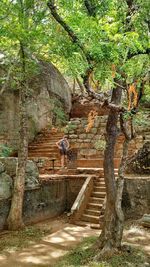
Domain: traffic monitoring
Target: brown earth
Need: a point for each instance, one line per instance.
(63, 237)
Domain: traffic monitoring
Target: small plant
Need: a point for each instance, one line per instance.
(5, 151)
(59, 116)
(70, 127)
(100, 145)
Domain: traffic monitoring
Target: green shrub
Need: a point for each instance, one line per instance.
(69, 128)
(100, 145)
(5, 151)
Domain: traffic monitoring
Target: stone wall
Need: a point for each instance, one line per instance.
(51, 198)
(47, 85)
(43, 199)
(48, 200)
(89, 145)
(136, 197)
(140, 163)
(73, 187)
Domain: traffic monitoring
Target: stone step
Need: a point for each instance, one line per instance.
(47, 150)
(91, 225)
(99, 189)
(90, 170)
(94, 206)
(48, 139)
(98, 194)
(43, 143)
(82, 223)
(97, 226)
(43, 154)
(95, 163)
(43, 147)
(90, 218)
(96, 200)
(99, 184)
(92, 212)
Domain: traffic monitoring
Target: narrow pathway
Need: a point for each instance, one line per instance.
(49, 250)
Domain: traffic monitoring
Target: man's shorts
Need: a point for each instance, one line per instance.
(63, 152)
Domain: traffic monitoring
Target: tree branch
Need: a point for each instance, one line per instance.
(67, 28)
(131, 55)
(91, 8)
(75, 39)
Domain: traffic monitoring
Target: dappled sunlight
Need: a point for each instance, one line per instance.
(134, 230)
(49, 248)
(138, 237)
(2, 258)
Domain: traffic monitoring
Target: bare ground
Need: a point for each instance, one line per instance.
(63, 236)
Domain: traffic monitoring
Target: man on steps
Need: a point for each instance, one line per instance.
(63, 146)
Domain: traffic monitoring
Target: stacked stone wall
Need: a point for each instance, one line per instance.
(86, 143)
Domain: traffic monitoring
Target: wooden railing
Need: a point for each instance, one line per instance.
(82, 199)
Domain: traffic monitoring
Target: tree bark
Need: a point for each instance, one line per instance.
(15, 220)
(120, 185)
(81, 86)
(108, 238)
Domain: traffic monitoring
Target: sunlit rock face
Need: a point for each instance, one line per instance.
(47, 85)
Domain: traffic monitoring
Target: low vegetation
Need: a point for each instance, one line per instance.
(84, 255)
(17, 240)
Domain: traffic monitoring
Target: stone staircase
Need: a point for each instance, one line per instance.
(93, 209)
(43, 150)
(92, 214)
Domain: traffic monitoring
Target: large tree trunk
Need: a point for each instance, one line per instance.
(108, 239)
(15, 220)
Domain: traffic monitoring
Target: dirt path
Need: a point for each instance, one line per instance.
(65, 236)
(51, 247)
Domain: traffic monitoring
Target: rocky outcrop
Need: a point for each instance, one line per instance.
(136, 197)
(140, 162)
(32, 173)
(5, 183)
(48, 85)
(145, 220)
(52, 80)
(81, 107)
